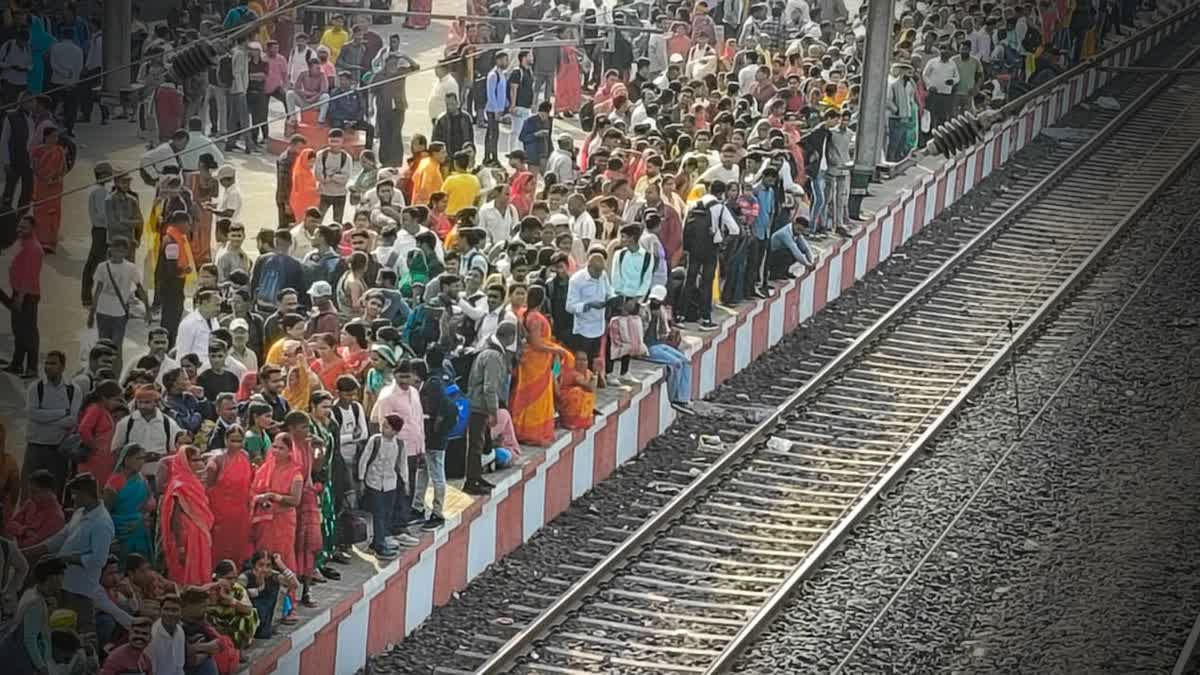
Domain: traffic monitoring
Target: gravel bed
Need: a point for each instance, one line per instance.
(453, 626)
(1079, 556)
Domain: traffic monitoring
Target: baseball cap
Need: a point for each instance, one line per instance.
(320, 289)
(239, 324)
(658, 293)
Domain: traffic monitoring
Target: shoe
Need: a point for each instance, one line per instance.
(485, 484)
(341, 558)
(613, 381)
(685, 408)
(760, 294)
(308, 602)
(707, 324)
(386, 554)
(330, 573)
(407, 540)
(317, 578)
(433, 523)
(477, 490)
(416, 518)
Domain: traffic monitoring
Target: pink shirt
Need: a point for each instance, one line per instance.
(406, 403)
(277, 73)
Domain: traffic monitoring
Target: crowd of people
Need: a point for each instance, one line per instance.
(419, 308)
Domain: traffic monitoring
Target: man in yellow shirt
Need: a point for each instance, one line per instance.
(335, 37)
(428, 177)
(462, 187)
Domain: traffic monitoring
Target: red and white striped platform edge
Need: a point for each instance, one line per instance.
(402, 595)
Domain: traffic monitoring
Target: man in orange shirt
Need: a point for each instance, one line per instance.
(428, 177)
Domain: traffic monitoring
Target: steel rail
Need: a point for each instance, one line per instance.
(770, 609)
(559, 610)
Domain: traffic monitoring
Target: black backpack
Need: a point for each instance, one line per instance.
(225, 71)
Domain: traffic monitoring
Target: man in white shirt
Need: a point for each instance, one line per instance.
(66, 67)
(16, 60)
(583, 226)
(727, 171)
(941, 77)
(148, 427)
(229, 205)
(498, 217)
(299, 58)
(488, 313)
(446, 84)
(588, 293)
(195, 331)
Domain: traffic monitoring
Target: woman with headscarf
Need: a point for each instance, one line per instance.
(49, 160)
(205, 189)
(309, 540)
(275, 492)
(532, 399)
(353, 349)
(300, 382)
(128, 500)
(187, 521)
(228, 475)
(521, 192)
(304, 185)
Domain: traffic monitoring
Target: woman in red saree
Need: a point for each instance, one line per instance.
(532, 400)
(568, 95)
(329, 365)
(418, 22)
(521, 192)
(186, 522)
(304, 185)
(309, 539)
(228, 475)
(276, 495)
(49, 167)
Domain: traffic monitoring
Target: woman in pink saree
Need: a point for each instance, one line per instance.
(568, 95)
(418, 22)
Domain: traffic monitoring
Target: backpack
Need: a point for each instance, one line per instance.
(421, 331)
(462, 408)
(372, 448)
(320, 268)
(41, 391)
(647, 261)
(268, 281)
(696, 228)
(166, 430)
(225, 71)
(324, 154)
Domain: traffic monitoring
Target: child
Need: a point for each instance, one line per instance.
(578, 391)
(376, 470)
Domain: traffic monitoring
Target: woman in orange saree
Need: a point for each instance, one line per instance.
(49, 167)
(187, 521)
(229, 475)
(532, 399)
(577, 405)
(304, 185)
(275, 492)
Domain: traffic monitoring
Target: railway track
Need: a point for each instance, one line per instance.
(701, 576)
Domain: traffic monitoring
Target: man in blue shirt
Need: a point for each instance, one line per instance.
(788, 247)
(535, 135)
(346, 110)
(497, 106)
(767, 196)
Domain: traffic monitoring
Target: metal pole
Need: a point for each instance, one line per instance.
(472, 18)
(871, 132)
(118, 16)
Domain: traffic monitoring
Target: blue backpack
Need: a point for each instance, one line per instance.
(461, 404)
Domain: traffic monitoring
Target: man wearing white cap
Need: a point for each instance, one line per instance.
(662, 346)
(324, 315)
(240, 348)
(229, 205)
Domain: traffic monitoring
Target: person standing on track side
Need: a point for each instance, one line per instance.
(941, 77)
(970, 78)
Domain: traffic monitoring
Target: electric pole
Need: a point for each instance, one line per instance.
(118, 17)
(872, 119)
